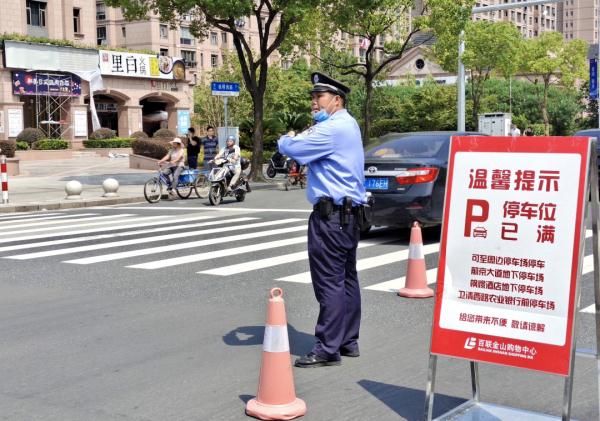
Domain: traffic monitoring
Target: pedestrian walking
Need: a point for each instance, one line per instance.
(193, 148)
(332, 149)
(514, 130)
(528, 131)
(210, 144)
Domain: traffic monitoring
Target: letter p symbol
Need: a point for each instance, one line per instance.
(482, 215)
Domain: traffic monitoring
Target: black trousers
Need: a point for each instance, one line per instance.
(332, 258)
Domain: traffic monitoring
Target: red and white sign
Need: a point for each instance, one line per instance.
(511, 244)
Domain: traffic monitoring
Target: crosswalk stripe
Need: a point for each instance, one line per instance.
(591, 309)
(102, 221)
(31, 217)
(395, 284)
(199, 257)
(128, 233)
(269, 262)
(142, 221)
(368, 263)
(45, 221)
(69, 250)
(219, 209)
(173, 247)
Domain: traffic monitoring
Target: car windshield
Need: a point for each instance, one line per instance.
(408, 147)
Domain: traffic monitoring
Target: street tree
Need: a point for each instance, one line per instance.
(386, 29)
(490, 47)
(554, 61)
(276, 20)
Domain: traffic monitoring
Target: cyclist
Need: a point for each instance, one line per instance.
(174, 161)
(231, 154)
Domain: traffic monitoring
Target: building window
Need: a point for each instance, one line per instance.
(186, 37)
(213, 38)
(214, 60)
(100, 11)
(124, 31)
(202, 60)
(224, 38)
(164, 51)
(77, 20)
(189, 57)
(36, 13)
(101, 35)
(164, 31)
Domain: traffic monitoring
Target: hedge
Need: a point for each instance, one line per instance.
(103, 133)
(139, 135)
(22, 146)
(151, 148)
(8, 148)
(266, 155)
(165, 134)
(50, 144)
(387, 125)
(30, 135)
(117, 142)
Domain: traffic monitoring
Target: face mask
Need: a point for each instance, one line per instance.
(322, 114)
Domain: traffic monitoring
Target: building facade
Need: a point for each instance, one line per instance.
(531, 21)
(69, 91)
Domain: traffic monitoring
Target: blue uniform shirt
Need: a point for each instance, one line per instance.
(334, 154)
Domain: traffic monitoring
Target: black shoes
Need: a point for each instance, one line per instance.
(350, 353)
(313, 360)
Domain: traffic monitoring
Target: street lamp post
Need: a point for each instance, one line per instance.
(461, 48)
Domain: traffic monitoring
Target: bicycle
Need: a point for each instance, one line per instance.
(188, 180)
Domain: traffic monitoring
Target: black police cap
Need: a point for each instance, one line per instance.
(323, 83)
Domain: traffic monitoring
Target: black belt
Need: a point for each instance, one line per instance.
(337, 208)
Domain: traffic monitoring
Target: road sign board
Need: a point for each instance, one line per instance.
(225, 88)
(510, 251)
(593, 78)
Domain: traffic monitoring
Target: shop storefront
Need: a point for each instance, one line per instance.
(68, 92)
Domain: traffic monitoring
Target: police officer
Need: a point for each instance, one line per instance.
(333, 151)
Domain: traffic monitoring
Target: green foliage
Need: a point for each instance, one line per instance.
(266, 155)
(164, 134)
(50, 144)
(117, 142)
(151, 148)
(139, 135)
(22, 146)
(8, 147)
(30, 135)
(388, 125)
(103, 133)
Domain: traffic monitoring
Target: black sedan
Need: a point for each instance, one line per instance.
(406, 174)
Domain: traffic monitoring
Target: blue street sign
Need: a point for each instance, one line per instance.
(593, 78)
(225, 88)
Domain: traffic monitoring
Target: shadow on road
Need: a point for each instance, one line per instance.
(409, 403)
(300, 343)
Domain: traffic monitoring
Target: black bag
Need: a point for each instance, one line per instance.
(245, 163)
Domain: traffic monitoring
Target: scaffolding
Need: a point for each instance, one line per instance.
(52, 109)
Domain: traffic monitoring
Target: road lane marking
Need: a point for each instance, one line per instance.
(127, 233)
(86, 224)
(207, 209)
(192, 258)
(165, 237)
(37, 217)
(45, 221)
(174, 247)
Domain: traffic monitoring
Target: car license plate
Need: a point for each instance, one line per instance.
(376, 183)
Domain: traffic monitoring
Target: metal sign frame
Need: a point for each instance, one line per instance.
(461, 412)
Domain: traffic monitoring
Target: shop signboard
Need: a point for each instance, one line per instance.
(52, 84)
(511, 246)
(15, 121)
(118, 63)
(183, 121)
(80, 122)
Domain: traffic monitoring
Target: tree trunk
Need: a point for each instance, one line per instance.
(367, 110)
(256, 173)
(545, 109)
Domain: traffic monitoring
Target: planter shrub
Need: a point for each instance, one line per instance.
(117, 142)
(151, 148)
(30, 135)
(50, 144)
(22, 146)
(139, 135)
(164, 134)
(103, 133)
(8, 148)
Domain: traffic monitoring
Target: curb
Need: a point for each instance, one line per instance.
(85, 203)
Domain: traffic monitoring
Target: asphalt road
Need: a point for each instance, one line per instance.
(144, 312)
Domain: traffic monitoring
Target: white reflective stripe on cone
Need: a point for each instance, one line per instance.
(276, 339)
(415, 251)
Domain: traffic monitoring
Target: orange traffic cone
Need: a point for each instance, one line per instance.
(276, 398)
(416, 277)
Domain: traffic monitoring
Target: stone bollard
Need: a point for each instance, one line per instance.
(110, 187)
(73, 189)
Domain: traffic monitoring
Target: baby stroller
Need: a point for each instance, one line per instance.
(296, 175)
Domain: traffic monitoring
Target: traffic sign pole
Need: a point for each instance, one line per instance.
(225, 101)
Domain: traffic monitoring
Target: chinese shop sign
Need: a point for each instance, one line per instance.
(53, 84)
(117, 63)
(511, 245)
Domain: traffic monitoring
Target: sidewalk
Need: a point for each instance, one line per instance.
(41, 184)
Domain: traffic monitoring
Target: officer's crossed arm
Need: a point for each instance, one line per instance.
(308, 146)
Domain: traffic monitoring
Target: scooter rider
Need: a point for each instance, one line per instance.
(231, 154)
